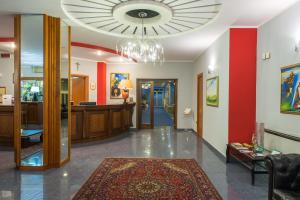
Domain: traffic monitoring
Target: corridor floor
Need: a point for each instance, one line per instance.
(161, 117)
(232, 180)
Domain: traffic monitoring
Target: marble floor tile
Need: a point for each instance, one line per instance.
(231, 180)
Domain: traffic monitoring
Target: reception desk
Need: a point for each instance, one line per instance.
(91, 123)
(6, 125)
(32, 114)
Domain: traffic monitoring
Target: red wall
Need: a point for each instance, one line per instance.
(242, 84)
(101, 83)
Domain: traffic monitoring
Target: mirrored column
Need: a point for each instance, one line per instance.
(32, 90)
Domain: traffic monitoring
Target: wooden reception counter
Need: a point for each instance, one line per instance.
(91, 123)
(32, 113)
(6, 125)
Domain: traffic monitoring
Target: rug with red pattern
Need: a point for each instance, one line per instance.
(142, 178)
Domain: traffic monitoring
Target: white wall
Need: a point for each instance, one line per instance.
(6, 74)
(181, 71)
(215, 120)
(7, 26)
(278, 36)
(88, 68)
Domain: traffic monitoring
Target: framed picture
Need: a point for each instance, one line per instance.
(212, 92)
(290, 89)
(2, 92)
(115, 79)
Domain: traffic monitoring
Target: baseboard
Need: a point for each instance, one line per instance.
(218, 153)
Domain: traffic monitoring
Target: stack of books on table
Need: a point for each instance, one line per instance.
(242, 148)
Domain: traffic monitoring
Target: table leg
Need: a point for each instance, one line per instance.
(253, 173)
(227, 154)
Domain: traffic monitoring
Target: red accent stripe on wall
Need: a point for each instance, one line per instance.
(101, 83)
(7, 39)
(91, 46)
(242, 84)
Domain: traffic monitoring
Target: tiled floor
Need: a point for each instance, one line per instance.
(232, 180)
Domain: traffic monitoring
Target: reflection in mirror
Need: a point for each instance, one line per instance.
(64, 147)
(32, 90)
(34, 190)
(146, 102)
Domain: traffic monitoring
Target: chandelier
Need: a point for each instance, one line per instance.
(141, 49)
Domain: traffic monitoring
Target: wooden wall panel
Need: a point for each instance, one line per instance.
(116, 120)
(33, 113)
(97, 124)
(6, 121)
(77, 125)
(7, 128)
(126, 118)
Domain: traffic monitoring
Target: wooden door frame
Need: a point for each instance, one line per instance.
(200, 103)
(138, 122)
(86, 83)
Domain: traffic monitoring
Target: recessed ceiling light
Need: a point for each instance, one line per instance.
(99, 53)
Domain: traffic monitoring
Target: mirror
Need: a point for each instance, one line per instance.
(64, 138)
(32, 90)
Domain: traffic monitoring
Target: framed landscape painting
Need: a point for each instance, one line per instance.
(290, 89)
(115, 79)
(212, 91)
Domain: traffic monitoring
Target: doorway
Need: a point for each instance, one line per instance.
(200, 105)
(80, 88)
(156, 103)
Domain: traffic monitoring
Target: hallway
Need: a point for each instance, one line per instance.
(161, 117)
(232, 181)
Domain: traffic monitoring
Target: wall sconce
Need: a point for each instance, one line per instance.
(211, 69)
(266, 55)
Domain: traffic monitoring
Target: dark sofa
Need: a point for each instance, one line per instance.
(284, 176)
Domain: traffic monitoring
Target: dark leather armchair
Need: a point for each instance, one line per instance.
(284, 176)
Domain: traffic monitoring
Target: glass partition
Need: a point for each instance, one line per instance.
(32, 90)
(64, 136)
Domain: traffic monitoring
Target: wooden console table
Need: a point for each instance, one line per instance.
(253, 162)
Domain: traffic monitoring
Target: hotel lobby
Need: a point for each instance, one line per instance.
(150, 99)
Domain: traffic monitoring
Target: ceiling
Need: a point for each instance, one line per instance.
(97, 56)
(155, 19)
(186, 47)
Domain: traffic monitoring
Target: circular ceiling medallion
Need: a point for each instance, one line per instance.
(160, 18)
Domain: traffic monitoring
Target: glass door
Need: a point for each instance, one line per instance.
(146, 101)
(157, 103)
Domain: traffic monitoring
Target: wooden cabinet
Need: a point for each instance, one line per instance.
(98, 122)
(6, 125)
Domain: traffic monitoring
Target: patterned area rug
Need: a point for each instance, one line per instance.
(141, 179)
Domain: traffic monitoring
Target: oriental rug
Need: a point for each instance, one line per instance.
(147, 178)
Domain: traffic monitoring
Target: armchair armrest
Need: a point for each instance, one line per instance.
(284, 172)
